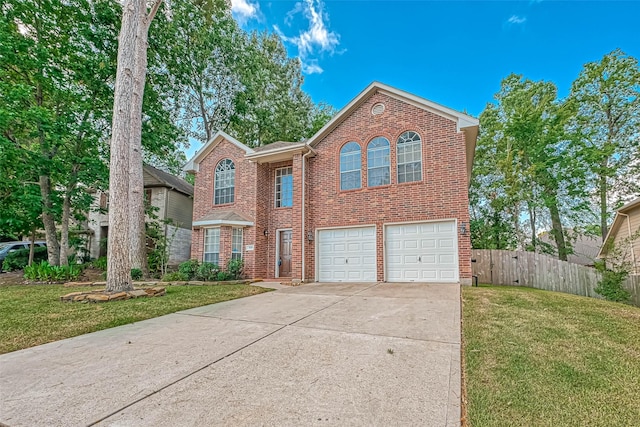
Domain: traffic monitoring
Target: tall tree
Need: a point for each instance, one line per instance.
(125, 180)
(533, 157)
(54, 76)
(272, 105)
(607, 97)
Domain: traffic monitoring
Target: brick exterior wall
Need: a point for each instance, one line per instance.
(245, 203)
(442, 193)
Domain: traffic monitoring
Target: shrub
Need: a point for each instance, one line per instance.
(234, 269)
(136, 274)
(189, 268)
(100, 263)
(17, 260)
(207, 272)
(44, 272)
(175, 276)
(610, 286)
(223, 275)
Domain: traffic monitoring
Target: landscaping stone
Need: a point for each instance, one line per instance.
(137, 293)
(118, 296)
(102, 296)
(156, 291)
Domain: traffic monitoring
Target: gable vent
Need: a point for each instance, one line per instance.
(377, 109)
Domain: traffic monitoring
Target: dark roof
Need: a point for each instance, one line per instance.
(169, 180)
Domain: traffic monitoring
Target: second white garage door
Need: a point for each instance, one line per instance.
(347, 255)
(424, 252)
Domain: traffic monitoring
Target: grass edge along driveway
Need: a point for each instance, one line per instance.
(31, 315)
(539, 358)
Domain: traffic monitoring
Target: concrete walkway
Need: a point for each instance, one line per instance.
(319, 354)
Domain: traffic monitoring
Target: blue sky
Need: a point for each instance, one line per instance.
(451, 52)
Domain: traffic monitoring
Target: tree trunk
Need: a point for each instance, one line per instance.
(118, 261)
(532, 220)
(556, 229)
(53, 251)
(138, 247)
(64, 228)
(32, 246)
(603, 205)
(126, 137)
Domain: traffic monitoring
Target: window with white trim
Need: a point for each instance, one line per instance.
(350, 166)
(378, 163)
(224, 182)
(236, 243)
(409, 157)
(212, 245)
(284, 187)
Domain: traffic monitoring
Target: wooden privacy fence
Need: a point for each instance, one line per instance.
(515, 268)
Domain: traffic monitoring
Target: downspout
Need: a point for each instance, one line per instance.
(633, 255)
(303, 238)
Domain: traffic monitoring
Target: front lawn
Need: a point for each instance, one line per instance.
(539, 358)
(33, 315)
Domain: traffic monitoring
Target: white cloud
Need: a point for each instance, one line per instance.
(317, 38)
(311, 67)
(515, 20)
(244, 9)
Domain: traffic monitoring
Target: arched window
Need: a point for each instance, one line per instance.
(350, 166)
(409, 157)
(224, 182)
(378, 164)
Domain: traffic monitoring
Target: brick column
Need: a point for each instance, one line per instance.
(296, 220)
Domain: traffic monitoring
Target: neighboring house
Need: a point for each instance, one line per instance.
(173, 198)
(380, 193)
(622, 243)
(585, 247)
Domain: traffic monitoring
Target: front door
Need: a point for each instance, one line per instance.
(284, 260)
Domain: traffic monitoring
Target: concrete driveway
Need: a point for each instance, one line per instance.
(319, 354)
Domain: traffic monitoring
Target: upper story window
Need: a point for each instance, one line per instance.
(224, 182)
(378, 164)
(350, 166)
(284, 187)
(409, 157)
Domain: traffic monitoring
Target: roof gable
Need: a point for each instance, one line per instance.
(465, 123)
(193, 165)
(462, 120)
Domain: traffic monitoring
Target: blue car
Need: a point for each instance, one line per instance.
(7, 247)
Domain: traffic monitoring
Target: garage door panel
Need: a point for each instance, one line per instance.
(421, 252)
(446, 259)
(446, 243)
(369, 246)
(446, 227)
(428, 243)
(347, 254)
(429, 259)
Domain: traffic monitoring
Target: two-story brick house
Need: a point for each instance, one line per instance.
(380, 193)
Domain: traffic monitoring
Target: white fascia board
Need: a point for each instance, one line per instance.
(217, 222)
(193, 165)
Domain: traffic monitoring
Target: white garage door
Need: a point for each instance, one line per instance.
(424, 252)
(347, 255)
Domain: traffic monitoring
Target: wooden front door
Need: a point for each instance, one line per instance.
(284, 261)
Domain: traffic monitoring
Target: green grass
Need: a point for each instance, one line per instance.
(538, 358)
(33, 315)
